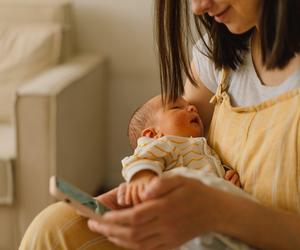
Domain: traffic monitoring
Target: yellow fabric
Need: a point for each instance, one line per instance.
(59, 227)
(169, 152)
(262, 143)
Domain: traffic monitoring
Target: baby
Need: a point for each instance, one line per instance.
(168, 140)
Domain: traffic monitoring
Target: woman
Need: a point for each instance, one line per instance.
(255, 129)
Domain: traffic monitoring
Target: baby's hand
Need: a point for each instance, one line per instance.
(129, 193)
(232, 176)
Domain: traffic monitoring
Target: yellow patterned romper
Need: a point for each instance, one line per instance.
(170, 152)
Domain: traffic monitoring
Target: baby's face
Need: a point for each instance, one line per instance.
(179, 119)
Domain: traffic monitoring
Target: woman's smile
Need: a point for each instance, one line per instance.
(221, 16)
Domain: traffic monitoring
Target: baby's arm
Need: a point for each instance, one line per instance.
(232, 176)
(129, 193)
(148, 161)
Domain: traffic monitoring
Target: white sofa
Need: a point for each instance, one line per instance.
(51, 111)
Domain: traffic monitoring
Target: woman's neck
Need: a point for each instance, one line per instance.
(272, 77)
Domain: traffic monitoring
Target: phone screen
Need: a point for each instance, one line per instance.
(78, 195)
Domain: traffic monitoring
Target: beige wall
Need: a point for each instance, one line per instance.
(123, 31)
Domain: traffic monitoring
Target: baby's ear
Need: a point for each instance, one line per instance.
(149, 132)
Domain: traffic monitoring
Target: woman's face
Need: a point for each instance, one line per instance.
(238, 15)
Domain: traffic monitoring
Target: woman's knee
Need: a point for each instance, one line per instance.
(44, 230)
(60, 227)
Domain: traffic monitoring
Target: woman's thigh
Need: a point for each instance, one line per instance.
(59, 227)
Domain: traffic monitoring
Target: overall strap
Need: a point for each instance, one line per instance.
(222, 86)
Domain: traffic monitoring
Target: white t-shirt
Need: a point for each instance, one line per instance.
(245, 87)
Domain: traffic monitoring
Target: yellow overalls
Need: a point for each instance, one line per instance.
(261, 142)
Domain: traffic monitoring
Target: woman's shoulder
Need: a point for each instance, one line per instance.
(205, 67)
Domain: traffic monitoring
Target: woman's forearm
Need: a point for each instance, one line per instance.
(258, 225)
(164, 218)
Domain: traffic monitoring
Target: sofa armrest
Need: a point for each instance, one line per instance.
(59, 122)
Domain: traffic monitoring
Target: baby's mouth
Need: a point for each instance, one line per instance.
(196, 120)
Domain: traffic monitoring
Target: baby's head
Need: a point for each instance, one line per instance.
(154, 120)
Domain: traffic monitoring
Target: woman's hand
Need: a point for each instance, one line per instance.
(175, 210)
(109, 199)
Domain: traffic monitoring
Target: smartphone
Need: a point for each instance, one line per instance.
(85, 204)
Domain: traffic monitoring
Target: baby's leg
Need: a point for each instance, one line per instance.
(59, 227)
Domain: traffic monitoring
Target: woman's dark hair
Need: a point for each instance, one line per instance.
(280, 40)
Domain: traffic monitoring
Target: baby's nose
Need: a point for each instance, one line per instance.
(192, 108)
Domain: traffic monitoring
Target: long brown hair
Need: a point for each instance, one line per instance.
(280, 40)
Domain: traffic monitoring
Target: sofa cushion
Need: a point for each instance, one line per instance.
(7, 158)
(57, 11)
(43, 11)
(26, 50)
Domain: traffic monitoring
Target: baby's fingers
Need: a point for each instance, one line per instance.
(138, 193)
(141, 189)
(234, 179)
(229, 174)
(238, 183)
(135, 194)
(121, 194)
(128, 195)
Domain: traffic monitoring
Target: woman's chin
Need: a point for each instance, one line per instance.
(237, 29)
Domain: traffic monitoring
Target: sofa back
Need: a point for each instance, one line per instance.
(42, 12)
(34, 36)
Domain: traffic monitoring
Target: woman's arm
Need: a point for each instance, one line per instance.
(259, 225)
(165, 221)
(200, 97)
